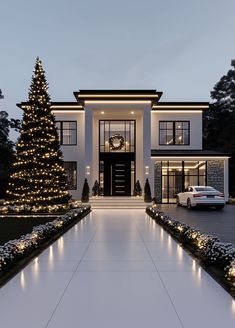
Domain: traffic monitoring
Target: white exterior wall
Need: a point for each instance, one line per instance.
(77, 152)
(86, 152)
(143, 135)
(195, 118)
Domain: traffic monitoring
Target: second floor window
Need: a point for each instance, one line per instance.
(67, 131)
(174, 132)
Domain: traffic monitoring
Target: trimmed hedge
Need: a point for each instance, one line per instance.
(219, 257)
(15, 250)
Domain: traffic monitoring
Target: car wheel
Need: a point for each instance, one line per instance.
(178, 201)
(220, 207)
(189, 206)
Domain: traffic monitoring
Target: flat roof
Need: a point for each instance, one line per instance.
(121, 95)
(181, 105)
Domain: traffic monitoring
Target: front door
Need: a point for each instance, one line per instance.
(117, 178)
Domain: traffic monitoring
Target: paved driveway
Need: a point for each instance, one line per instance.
(218, 223)
(115, 268)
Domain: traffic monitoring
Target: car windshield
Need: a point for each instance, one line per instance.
(204, 189)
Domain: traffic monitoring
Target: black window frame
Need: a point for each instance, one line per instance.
(174, 129)
(182, 174)
(60, 132)
(76, 168)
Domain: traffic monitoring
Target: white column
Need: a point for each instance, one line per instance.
(88, 145)
(148, 167)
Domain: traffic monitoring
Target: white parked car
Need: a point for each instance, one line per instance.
(201, 196)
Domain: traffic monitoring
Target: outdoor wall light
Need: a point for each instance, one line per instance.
(146, 169)
(88, 170)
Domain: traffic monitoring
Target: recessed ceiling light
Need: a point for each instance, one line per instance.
(102, 113)
(132, 113)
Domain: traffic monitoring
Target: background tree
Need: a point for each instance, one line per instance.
(38, 176)
(219, 121)
(6, 148)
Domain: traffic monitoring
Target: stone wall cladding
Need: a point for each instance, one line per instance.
(215, 174)
(158, 182)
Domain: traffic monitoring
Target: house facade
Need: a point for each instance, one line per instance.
(120, 136)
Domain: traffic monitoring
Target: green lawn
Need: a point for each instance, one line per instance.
(13, 228)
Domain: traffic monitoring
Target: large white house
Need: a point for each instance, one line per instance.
(120, 136)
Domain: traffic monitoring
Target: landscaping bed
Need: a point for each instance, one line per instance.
(14, 227)
(216, 257)
(15, 254)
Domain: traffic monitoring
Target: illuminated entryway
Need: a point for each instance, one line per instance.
(117, 157)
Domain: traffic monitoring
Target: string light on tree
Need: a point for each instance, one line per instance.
(38, 176)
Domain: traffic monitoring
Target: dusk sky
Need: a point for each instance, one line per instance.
(180, 47)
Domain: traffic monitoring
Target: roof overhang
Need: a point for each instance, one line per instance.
(155, 153)
(117, 96)
(59, 106)
(180, 106)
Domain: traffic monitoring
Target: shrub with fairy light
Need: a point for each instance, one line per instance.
(209, 249)
(38, 176)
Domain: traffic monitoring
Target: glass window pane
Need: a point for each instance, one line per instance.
(162, 125)
(73, 138)
(178, 125)
(202, 168)
(179, 137)
(57, 124)
(66, 125)
(169, 138)
(71, 172)
(185, 139)
(185, 125)
(170, 125)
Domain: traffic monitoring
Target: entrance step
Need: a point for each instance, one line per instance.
(117, 202)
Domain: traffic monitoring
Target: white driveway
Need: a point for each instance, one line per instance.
(115, 269)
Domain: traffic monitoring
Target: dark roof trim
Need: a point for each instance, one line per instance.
(58, 105)
(187, 153)
(181, 105)
(114, 95)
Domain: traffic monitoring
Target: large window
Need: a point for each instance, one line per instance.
(71, 171)
(178, 175)
(67, 131)
(174, 132)
(117, 136)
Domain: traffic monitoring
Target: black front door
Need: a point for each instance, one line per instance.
(117, 177)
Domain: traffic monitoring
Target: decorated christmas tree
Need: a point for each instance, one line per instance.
(38, 176)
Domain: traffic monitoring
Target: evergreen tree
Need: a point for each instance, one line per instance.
(85, 192)
(96, 190)
(147, 192)
(38, 176)
(137, 189)
(219, 121)
(6, 149)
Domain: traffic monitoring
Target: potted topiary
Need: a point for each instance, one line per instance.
(137, 189)
(96, 190)
(147, 192)
(85, 192)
